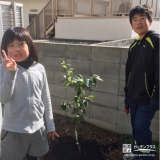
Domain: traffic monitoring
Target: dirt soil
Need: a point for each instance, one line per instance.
(95, 143)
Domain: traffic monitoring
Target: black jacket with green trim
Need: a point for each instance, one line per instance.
(142, 70)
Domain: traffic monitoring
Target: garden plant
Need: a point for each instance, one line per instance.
(80, 100)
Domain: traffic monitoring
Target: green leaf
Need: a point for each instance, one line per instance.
(91, 96)
(80, 117)
(68, 105)
(74, 111)
(74, 80)
(81, 83)
(71, 69)
(90, 82)
(80, 77)
(79, 91)
(63, 106)
(97, 77)
(69, 73)
(64, 66)
(94, 82)
(83, 111)
(75, 98)
(67, 84)
(87, 82)
(63, 62)
(85, 103)
(78, 105)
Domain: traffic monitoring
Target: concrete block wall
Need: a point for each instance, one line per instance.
(107, 111)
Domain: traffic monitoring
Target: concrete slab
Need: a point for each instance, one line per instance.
(121, 88)
(123, 119)
(106, 54)
(79, 52)
(103, 113)
(57, 90)
(105, 99)
(80, 66)
(54, 50)
(107, 70)
(107, 85)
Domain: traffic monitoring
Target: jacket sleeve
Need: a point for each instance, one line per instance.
(48, 113)
(155, 93)
(127, 72)
(7, 81)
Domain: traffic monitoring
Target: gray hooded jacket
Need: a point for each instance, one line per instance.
(26, 96)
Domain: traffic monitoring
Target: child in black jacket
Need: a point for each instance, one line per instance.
(142, 78)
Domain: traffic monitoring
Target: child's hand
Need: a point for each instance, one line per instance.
(9, 63)
(52, 134)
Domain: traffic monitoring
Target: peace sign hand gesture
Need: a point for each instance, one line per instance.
(9, 63)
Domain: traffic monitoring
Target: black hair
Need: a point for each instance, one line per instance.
(141, 9)
(20, 34)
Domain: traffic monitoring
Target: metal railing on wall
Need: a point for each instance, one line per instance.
(43, 24)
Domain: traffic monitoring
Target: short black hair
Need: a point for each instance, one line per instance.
(20, 34)
(141, 9)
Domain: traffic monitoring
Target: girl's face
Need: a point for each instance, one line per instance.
(18, 50)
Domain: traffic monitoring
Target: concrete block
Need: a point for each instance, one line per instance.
(41, 60)
(124, 55)
(121, 103)
(107, 85)
(121, 88)
(57, 90)
(80, 66)
(106, 54)
(107, 70)
(105, 99)
(102, 124)
(54, 50)
(40, 49)
(59, 111)
(122, 72)
(79, 52)
(55, 76)
(103, 113)
(123, 119)
(155, 137)
(56, 102)
(50, 63)
(156, 116)
(123, 129)
(155, 126)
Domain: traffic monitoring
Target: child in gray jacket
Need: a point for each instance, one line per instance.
(25, 94)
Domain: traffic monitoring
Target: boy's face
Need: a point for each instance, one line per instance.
(18, 50)
(141, 24)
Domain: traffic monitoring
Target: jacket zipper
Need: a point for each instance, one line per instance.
(145, 76)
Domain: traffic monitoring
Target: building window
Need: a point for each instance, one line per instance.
(31, 17)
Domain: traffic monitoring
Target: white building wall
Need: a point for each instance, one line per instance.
(97, 29)
(28, 5)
